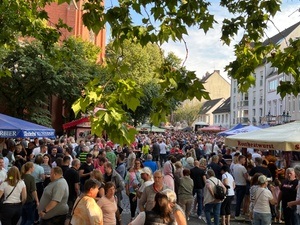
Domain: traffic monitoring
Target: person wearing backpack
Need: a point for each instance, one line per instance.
(214, 193)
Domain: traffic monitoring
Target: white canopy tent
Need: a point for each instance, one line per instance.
(283, 137)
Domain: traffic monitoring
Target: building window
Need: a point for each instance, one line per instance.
(261, 81)
(216, 117)
(294, 104)
(272, 85)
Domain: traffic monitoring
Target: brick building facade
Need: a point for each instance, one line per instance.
(71, 14)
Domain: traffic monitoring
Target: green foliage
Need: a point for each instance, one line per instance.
(34, 76)
(25, 18)
(288, 62)
(187, 111)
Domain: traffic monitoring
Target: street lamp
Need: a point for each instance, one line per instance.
(269, 117)
(286, 117)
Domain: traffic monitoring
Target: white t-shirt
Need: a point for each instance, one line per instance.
(163, 148)
(15, 195)
(3, 175)
(262, 198)
(36, 151)
(140, 219)
(255, 155)
(145, 184)
(230, 182)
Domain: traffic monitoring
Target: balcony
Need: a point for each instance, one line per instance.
(244, 103)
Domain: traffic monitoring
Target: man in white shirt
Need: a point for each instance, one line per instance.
(255, 154)
(3, 172)
(146, 175)
(163, 152)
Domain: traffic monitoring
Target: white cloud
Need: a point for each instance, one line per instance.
(206, 52)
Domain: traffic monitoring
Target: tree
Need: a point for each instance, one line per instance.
(34, 76)
(25, 18)
(188, 112)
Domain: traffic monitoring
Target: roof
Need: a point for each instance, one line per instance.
(224, 107)
(208, 105)
(281, 35)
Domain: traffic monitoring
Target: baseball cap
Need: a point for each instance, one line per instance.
(147, 170)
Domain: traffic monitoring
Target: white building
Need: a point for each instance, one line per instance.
(261, 104)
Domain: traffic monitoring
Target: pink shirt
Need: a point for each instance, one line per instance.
(109, 208)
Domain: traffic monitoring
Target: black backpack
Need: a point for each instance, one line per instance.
(219, 194)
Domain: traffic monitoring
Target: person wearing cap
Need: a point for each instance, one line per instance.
(86, 211)
(146, 175)
(263, 198)
(147, 199)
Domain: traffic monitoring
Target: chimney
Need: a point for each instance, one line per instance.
(217, 71)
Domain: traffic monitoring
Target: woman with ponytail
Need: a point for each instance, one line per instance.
(32, 200)
(14, 191)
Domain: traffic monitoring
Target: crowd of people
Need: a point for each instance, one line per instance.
(168, 178)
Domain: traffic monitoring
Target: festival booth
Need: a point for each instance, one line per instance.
(81, 127)
(11, 127)
(150, 128)
(284, 137)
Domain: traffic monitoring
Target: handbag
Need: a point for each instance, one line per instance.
(74, 210)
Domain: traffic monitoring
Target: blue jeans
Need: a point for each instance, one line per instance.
(28, 213)
(262, 218)
(240, 191)
(199, 197)
(215, 209)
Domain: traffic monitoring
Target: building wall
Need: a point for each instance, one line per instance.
(261, 104)
(217, 86)
(72, 16)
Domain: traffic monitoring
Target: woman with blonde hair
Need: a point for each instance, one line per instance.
(161, 213)
(177, 211)
(203, 164)
(32, 199)
(12, 188)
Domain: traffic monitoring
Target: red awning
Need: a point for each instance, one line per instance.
(213, 129)
(74, 123)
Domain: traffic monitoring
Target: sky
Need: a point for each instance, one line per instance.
(206, 52)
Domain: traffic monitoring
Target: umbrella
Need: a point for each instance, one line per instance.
(245, 129)
(224, 133)
(11, 127)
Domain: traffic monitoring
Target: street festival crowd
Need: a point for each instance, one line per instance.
(167, 177)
